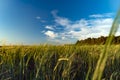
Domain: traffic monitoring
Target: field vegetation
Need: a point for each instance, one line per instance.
(62, 62)
(48, 62)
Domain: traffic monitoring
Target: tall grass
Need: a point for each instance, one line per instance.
(65, 62)
(104, 55)
(47, 62)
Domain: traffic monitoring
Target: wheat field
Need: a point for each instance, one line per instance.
(48, 62)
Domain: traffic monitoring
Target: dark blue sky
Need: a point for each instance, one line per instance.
(54, 21)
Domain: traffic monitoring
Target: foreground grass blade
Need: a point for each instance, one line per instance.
(103, 56)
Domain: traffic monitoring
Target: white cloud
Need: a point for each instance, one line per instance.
(63, 38)
(60, 20)
(101, 15)
(91, 28)
(83, 28)
(80, 29)
(50, 34)
(49, 27)
(96, 15)
(43, 31)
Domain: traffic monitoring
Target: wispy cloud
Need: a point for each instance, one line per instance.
(54, 13)
(94, 28)
(50, 34)
(40, 19)
(49, 27)
(101, 15)
(80, 29)
(60, 20)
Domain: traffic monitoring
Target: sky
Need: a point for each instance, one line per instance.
(55, 21)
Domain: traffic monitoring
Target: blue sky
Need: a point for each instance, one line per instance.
(55, 21)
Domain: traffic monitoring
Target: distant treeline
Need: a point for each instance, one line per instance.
(98, 41)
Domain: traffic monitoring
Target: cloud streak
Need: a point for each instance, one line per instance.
(101, 15)
(49, 27)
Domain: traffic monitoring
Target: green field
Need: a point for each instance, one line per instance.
(62, 62)
(48, 62)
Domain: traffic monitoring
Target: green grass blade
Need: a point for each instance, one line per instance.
(103, 56)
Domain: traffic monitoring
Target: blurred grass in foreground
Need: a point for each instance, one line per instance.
(104, 55)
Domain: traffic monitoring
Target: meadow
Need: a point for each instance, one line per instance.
(64, 62)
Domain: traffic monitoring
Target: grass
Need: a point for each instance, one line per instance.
(104, 55)
(47, 62)
(68, 62)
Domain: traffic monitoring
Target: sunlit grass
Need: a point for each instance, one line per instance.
(62, 62)
(47, 62)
